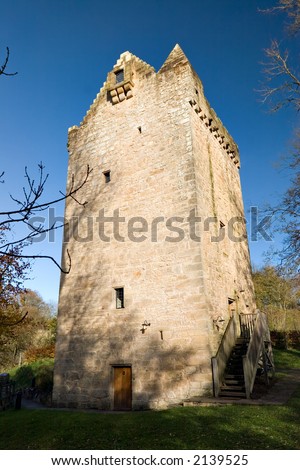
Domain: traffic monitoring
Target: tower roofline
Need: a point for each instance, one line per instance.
(176, 57)
(129, 62)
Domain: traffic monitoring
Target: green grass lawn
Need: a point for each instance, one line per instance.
(289, 359)
(213, 427)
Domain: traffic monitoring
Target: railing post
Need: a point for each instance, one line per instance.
(246, 377)
(215, 373)
(265, 365)
(256, 347)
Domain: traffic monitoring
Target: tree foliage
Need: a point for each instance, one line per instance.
(13, 271)
(32, 338)
(279, 297)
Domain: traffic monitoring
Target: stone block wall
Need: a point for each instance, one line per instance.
(164, 164)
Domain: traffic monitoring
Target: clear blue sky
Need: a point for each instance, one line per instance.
(63, 50)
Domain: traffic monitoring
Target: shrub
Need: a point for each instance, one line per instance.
(285, 339)
(41, 371)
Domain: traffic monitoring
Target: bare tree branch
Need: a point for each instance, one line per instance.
(29, 238)
(32, 257)
(286, 217)
(14, 263)
(282, 80)
(30, 203)
(4, 65)
(292, 10)
(282, 88)
(285, 89)
(14, 323)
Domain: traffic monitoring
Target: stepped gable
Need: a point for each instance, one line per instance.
(134, 65)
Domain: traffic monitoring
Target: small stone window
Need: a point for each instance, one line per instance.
(119, 76)
(106, 176)
(119, 297)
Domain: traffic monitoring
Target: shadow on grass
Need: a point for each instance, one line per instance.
(287, 359)
(214, 427)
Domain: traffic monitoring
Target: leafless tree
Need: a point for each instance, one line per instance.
(282, 78)
(292, 10)
(14, 263)
(287, 214)
(282, 82)
(32, 203)
(29, 206)
(282, 88)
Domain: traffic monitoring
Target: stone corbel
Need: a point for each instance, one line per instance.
(121, 92)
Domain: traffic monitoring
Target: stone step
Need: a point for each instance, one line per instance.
(232, 394)
(233, 388)
(235, 361)
(233, 382)
(240, 346)
(234, 371)
(234, 376)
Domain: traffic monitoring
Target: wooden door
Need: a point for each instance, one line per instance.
(122, 388)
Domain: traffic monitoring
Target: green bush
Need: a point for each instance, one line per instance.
(22, 376)
(44, 377)
(285, 339)
(41, 371)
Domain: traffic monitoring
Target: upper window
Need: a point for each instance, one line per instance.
(119, 76)
(119, 297)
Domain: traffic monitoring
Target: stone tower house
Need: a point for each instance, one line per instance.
(160, 258)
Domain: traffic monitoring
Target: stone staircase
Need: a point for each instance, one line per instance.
(233, 381)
